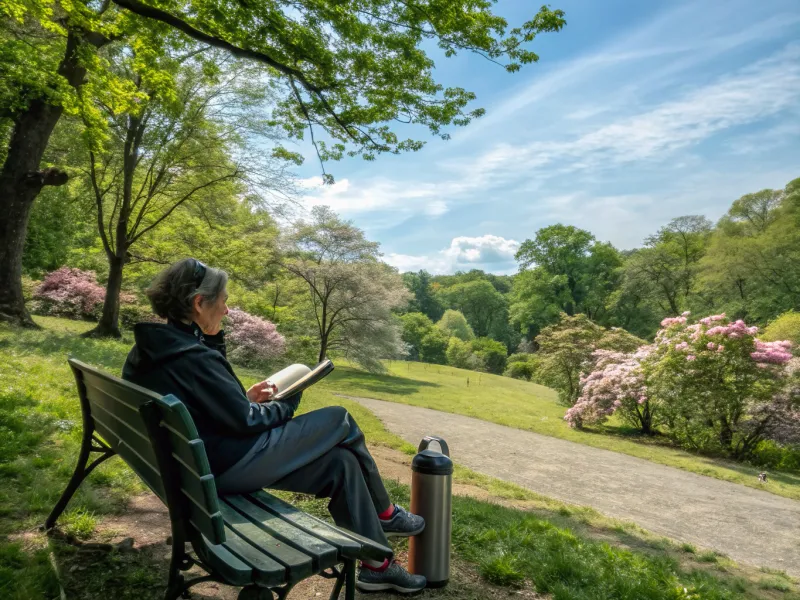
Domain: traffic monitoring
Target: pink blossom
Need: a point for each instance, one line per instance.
(720, 348)
(685, 313)
(69, 293)
(772, 352)
(691, 357)
(252, 340)
(712, 318)
(670, 321)
(711, 345)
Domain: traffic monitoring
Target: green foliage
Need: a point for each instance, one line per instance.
(58, 225)
(519, 369)
(454, 323)
(785, 327)
(563, 269)
(481, 304)
(491, 353)
(564, 352)
(459, 354)
(751, 265)
(415, 327)
(665, 271)
(424, 300)
(433, 347)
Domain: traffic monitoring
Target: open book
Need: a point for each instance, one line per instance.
(296, 378)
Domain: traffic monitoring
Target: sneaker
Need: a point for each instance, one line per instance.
(403, 523)
(394, 577)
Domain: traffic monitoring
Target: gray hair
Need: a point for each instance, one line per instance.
(174, 289)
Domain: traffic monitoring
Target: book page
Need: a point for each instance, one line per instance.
(286, 377)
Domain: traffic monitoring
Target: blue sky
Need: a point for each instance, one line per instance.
(637, 112)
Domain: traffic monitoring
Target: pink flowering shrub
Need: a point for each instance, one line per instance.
(713, 385)
(69, 293)
(616, 384)
(252, 341)
(718, 387)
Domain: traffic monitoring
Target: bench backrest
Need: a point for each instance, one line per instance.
(170, 458)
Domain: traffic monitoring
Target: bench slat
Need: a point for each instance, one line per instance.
(123, 430)
(220, 559)
(266, 571)
(299, 564)
(355, 545)
(191, 453)
(323, 554)
(148, 473)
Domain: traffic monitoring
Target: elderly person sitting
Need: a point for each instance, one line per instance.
(251, 441)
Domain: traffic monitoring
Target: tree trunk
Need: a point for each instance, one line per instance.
(20, 183)
(323, 348)
(726, 435)
(108, 326)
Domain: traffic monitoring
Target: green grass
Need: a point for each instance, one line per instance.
(564, 551)
(533, 407)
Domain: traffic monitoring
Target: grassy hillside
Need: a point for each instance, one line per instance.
(534, 408)
(566, 552)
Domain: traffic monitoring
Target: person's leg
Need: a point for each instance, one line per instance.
(355, 442)
(337, 475)
(299, 442)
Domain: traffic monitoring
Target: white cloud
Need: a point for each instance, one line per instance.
(756, 92)
(489, 252)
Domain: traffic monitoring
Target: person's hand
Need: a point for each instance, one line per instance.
(262, 392)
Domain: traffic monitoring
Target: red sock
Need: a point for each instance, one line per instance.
(387, 514)
(384, 565)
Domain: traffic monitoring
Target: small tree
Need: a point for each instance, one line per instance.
(491, 353)
(433, 347)
(615, 384)
(458, 353)
(565, 351)
(351, 294)
(520, 369)
(454, 324)
(415, 327)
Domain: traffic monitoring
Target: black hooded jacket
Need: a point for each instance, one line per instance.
(179, 359)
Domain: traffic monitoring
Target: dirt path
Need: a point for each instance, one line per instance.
(749, 525)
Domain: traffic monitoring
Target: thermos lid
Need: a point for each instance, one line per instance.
(430, 462)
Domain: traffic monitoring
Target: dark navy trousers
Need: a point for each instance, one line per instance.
(321, 453)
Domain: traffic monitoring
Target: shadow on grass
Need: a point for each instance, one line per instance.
(355, 380)
(140, 574)
(109, 353)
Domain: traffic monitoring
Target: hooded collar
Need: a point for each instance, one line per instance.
(163, 341)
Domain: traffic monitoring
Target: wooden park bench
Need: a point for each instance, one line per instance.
(255, 541)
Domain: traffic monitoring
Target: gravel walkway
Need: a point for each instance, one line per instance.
(748, 525)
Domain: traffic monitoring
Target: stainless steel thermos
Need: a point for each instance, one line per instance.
(431, 498)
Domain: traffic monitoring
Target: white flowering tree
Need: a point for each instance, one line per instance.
(351, 293)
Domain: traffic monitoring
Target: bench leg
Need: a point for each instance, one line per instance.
(337, 586)
(349, 580)
(345, 577)
(89, 445)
